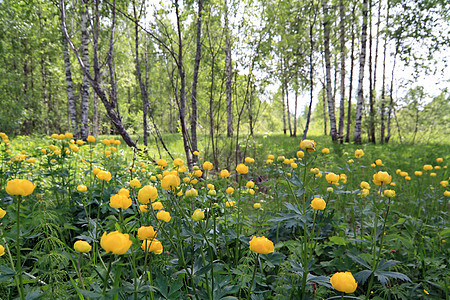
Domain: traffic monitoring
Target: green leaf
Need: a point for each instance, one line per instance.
(338, 240)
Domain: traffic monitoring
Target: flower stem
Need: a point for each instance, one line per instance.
(107, 275)
(18, 262)
(253, 277)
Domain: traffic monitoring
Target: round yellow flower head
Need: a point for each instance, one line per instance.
(286, 161)
(170, 181)
(106, 142)
(147, 193)
(389, 193)
(269, 161)
(308, 145)
(196, 153)
(300, 154)
(82, 188)
(427, 167)
(250, 184)
(364, 185)
(178, 162)
(261, 245)
(210, 186)
(230, 203)
(373, 165)
(444, 183)
(350, 161)
(135, 183)
(325, 150)
(439, 160)
(294, 166)
(418, 173)
(359, 153)
(146, 233)
(198, 173)
(229, 190)
(80, 142)
(82, 246)
(104, 175)
(378, 162)
(437, 167)
(397, 171)
(115, 242)
(433, 174)
(44, 151)
(318, 204)
(119, 201)
(364, 193)
(207, 166)
(194, 181)
(74, 148)
(332, 178)
(381, 178)
(198, 215)
(407, 178)
(2, 250)
(224, 173)
(90, 139)
(2, 213)
(163, 216)
(314, 171)
(343, 178)
(249, 160)
(191, 193)
(344, 282)
(162, 163)
(270, 156)
(157, 205)
(153, 245)
(242, 169)
(22, 187)
(257, 205)
(329, 189)
(280, 158)
(404, 174)
(447, 193)
(250, 191)
(143, 208)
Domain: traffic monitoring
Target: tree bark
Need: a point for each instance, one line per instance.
(391, 102)
(331, 104)
(112, 114)
(287, 106)
(350, 89)
(383, 89)
(85, 85)
(295, 111)
(198, 55)
(360, 101)
(371, 130)
(343, 56)
(228, 74)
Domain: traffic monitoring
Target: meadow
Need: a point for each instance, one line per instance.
(293, 220)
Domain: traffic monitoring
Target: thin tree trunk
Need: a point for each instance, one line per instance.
(295, 111)
(112, 114)
(352, 58)
(311, 72)
(284, 109)
(182, 107)
(360, 101)
(391, 102)
(95, 116)
(343, 55)
(383, 89)
(331, 104)
(198, 54)
(85, 85)
(324, 102)
(287, 106)
(228, 74)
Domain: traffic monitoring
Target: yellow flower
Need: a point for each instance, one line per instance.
(147, 193)
(80, 142)
(124, 192)
(378, 162)
(104, 175)
(364, 193)
(332, 178)
(343, 178)
(257, 205)
(280, 158)
(170, 181)
(381, 178)
(439, 160)
(427, 167)
(196, 153)
(325, 150)
(318, 204)
(191, 193)
(229, 190)
(153, 245)
(210, 186)
(444, 183)
(115, 242)
(314, 171)
(198, 215)
(143, 208)
(31, 160)
(242, 169)
(119, 201)
(146, 233)
(359, 153)
(433, 174)
(300, 154)
(90, 139)
(106, 142)
(364, 185)
(269, 161)
(343, 282)
(373, 165)
(261, 245)
(163, 216)
(407, 178)
(250, 184)
(74, 148)
(157, 205)
(308, 145)
(425, 291)
(82, 188)
(294, 166)
(162, 163)
(270, 156)
(447, 193)
(198, 173)
(207, 166)
(178, 162)
(2, 213)
(2, 250)
(389, 193)
(418, 173)
(44, 151)
(230, 203)
(403, 174)
(20, 187)
(135, 183)
(82, 246)
(249, 160)
(329, 189)
(250, 191)
(350, 161)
